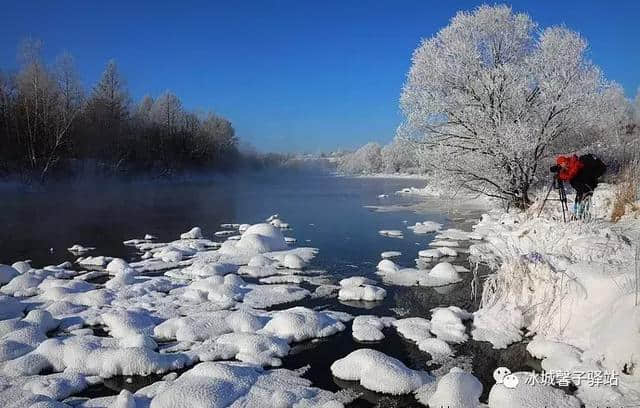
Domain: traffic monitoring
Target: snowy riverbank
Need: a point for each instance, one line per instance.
(572, 287)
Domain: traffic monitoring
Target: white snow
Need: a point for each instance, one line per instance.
(193, 233)
(360, 288)
(369, 328)
(457, 389)
(299, 323)
(446, 324)
(7, 273)
(425, 227)
(378, 372)
(218, 385)
(293, 261)
(390, 254)
(530, 394)
(391, 233)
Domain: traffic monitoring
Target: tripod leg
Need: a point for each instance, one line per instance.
(546, 198)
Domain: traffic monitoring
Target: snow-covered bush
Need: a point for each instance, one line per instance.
(492, 96)
(366, 160)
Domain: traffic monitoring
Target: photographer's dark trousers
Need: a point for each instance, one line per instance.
(584, 183)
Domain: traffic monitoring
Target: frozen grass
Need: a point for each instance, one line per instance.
(626, 193)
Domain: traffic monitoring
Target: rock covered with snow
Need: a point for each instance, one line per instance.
(369, 328)
(7, 273)
(425, 227)
(529, 394)
(193, 233)
(457, 389)
(378, 372)
(360, 288)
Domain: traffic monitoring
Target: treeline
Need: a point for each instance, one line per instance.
(50, 125)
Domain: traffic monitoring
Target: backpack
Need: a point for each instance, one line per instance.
(593, 165)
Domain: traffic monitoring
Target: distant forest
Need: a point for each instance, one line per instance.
(52, 126)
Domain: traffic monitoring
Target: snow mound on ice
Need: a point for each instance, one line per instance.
(218, 385)
(387, 266)
(530, 394)
(500, 325)
(7, 273)
(391, 233)
(365, 292)
(446, 324)
(299, 324)
(193, 233)
(293, 261)
(378, 372)
(455, 389)
(390, 254)
(369, 328)
(425, 227)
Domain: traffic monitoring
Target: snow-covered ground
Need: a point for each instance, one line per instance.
(573, 288)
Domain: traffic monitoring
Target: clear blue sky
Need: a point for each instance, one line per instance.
(291, 75)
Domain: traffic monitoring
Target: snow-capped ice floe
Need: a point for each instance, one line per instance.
(425, 227)
(387, 266)
(91, 355)
(369, 328)
(378, 372)
(457, 389)
(193, 233)
(22, 266)
(390, 254)
(444, 243)
(446, 324)
(360, 288)
(430, 253)
(441, 275)
(529, 394)
(258, 238)
(500, 325)
(7, 273)
(300, 323)
(418, 329)
(391, 233)
(99, 261)
(78, 249)
(458, 235)
(293, 261)
(218, 385)
(263, 296)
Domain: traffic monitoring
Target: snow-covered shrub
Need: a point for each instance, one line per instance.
(366, 160)
(492, 97)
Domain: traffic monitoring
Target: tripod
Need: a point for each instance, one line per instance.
(562, 197)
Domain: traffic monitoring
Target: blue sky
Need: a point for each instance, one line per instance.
(290, 75)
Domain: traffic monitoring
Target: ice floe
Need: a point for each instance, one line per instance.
(425, 227)
(378, 372)
(369, 328)
(390, 254)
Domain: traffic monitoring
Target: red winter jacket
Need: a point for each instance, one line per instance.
(570, 166)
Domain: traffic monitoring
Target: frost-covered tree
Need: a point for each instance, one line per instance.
(110, 99)
(168, 113)
(366, 160)
(491, 96)
(399, 156)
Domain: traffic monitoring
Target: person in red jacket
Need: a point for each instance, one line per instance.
(582, 173)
